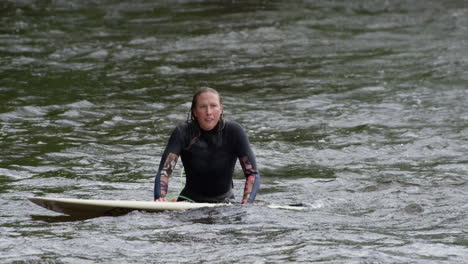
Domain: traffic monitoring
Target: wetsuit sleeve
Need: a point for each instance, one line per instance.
(167, 164)
(249, 166)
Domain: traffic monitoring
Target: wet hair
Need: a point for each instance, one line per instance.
(192, 121)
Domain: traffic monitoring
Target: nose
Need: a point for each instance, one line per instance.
(209, 110)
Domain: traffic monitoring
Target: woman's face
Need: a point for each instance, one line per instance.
(208, 110)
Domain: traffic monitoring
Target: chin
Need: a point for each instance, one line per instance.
(208, 127)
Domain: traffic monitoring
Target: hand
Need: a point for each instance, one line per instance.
(162, 199)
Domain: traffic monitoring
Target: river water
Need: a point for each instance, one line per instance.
(358, 109)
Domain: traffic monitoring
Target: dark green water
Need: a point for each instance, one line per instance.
(356, 108)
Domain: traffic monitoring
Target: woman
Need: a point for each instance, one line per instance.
(209, 147)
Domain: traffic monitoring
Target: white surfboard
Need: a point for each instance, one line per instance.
(85, 207)
(81, 207)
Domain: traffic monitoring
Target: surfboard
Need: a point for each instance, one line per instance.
(85, 207)
(82, 207)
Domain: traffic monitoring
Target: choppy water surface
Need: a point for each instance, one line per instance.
(356, 108)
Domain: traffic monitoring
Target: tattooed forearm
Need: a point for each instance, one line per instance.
(249, 182)
(250, 175)
(166, 172)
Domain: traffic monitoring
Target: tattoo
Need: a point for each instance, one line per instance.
(164, 183)
(247, 166)
(249, 173)
(249, 182)
(166, 172)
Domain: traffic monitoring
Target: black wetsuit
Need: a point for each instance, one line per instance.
(209, 158)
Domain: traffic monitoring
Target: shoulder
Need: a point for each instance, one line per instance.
(235, 129)
(232, 126)
(181, 129)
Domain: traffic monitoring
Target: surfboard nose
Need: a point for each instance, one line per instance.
(46, 203)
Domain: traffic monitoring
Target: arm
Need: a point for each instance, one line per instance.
(252, 180)
(166, 166)
(247, 161)
(164, 173)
